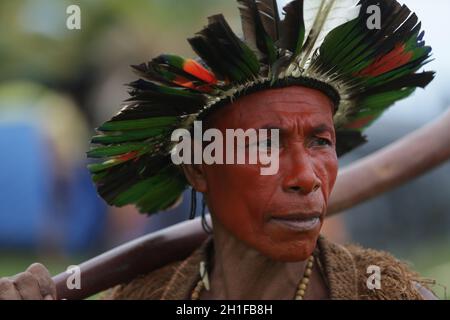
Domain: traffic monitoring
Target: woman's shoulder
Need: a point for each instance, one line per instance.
(173, 281)
(149, 286)
(398, 277)
(379, 274)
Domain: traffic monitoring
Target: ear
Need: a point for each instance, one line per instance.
(195, 175)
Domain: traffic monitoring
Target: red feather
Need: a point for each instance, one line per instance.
(192, 67)
(128, 156)
(390, 61)
(186, 83)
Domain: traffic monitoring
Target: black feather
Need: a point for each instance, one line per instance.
(255, 32)
(347, 140)
(270, 17)
(293, 27)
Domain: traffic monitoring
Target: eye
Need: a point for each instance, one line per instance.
(321, 142)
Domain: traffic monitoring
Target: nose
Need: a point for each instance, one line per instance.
(300, 176)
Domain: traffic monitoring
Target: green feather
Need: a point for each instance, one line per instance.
(138, 124)
(126, 136)
(115, 150)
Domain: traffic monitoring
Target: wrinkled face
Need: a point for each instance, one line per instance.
(279, 215)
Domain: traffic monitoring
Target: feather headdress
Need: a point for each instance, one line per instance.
(327, 45)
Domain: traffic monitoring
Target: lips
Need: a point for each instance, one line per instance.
(301, 222)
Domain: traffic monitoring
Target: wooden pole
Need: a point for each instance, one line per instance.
(392, 166)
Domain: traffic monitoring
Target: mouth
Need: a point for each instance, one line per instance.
(300, 222)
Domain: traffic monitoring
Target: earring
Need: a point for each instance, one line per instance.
(205, 225)
(193, 204)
